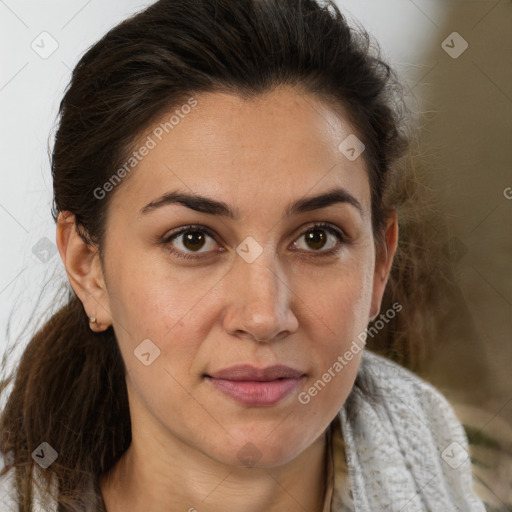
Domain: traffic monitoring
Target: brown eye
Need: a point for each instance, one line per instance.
(318, 237)
(190, 240)
(193, 240)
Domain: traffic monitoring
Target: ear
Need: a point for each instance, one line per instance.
(383, 262)
(84, 270)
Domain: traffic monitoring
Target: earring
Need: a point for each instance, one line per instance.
(92, 319)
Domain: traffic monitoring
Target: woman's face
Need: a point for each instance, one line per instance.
(262, 287)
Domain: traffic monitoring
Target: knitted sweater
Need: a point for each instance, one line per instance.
(405, 449)
(398, 448)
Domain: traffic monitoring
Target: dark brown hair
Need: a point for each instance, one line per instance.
(69, 388)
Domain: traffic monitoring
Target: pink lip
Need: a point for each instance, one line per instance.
(256, 387)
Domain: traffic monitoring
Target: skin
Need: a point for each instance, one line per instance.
(286, 307)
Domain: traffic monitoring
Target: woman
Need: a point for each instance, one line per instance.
(221, 173)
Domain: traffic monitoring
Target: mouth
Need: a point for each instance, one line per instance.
(255, 387)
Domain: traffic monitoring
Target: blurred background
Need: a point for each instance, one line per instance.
(455, 59)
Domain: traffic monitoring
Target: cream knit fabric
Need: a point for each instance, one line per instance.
(406, 451)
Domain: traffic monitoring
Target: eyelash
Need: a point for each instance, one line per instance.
(314, 254)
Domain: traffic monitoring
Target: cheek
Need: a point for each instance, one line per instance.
(338, 317)
(150, 297)
(335, 355)
(175, 310)
(339, 301)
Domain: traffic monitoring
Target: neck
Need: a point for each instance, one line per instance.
(148, 477)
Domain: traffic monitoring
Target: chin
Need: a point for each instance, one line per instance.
(258, 451)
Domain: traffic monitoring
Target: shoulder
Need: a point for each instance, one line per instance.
(397, 388)
(411, 405)
(402, 434)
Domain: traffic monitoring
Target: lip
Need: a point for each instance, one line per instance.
(255, 387)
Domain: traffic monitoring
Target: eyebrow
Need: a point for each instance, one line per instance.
(213, 207)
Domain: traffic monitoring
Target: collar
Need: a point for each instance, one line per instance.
(338, 497)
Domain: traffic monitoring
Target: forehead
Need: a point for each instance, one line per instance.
(269, 149)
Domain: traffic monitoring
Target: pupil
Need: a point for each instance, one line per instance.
(193, 239)
(316, 238)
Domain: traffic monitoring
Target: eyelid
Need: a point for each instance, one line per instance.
(332, 228)
(340, 234)
(191, 227)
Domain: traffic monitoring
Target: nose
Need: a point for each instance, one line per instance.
(259, 298)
